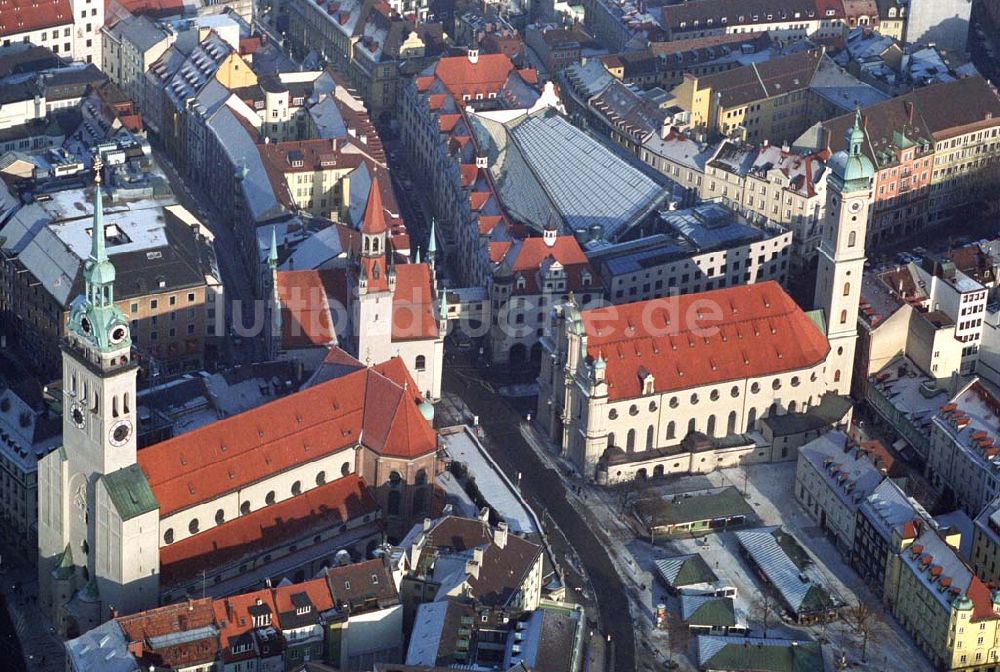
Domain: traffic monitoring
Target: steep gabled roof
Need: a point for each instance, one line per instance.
(374, 222)
(361, 407)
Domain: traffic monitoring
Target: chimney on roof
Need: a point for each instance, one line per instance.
(500, 535)
(484, 514)
(549, 235)
(427, 525)
(475, 562)
(908, 105)
(473, 53)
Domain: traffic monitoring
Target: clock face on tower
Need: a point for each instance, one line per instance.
(120, 433)
(855, 206)
(77, 416)
(118, 333)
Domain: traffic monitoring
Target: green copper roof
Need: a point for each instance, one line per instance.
(716, 612)
(852, 169)
(432, 245)
(94, 316)
(130, 492)
(272, 255)
(64, 569)
(766, 657)
(817, 318)
(90, 593)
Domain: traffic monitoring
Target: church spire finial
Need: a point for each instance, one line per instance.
(98, 250)
(272, 255)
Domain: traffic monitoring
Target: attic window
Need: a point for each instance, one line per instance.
(375, 579)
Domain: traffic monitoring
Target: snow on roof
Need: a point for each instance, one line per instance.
(103, 648)
(795, 583)
(498, 492)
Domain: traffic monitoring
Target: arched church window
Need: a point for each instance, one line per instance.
(843, 317)
(168, 536)
(852, 239)
(847, 289)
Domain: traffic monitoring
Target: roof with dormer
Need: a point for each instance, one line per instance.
(531, 258)
(25, 17)
(751, 331)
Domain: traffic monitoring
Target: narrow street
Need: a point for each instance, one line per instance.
(235, 278)
(544, 490)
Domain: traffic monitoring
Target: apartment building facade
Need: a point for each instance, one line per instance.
(784, 21)
(963, 460)
(70, 28)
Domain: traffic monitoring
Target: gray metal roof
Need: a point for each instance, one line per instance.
(241, 149)
(888, 507)
(780, 570)
(103, 648)
(139, 31)
(547, 171)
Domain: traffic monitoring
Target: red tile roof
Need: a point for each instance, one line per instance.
(374, 222)
(527, 257)
(373, 269)
(153, 8)
(413, 314)
(395, 370)
(316, 589)
(360, 582)
(236, 623)
(487, 223)
(201, 465)
(498, 250)
(748, 331)
(24, 16)
(488, 75)
(306, 316)
(982, 600)
(394, 426)
(172, 619)
(342, 500)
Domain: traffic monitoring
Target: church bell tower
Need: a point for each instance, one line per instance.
(842, 254)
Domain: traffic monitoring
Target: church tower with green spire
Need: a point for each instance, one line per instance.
(842, 252)
(89, 559)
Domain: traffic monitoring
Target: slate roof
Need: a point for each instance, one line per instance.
(767, 79)
(130, 492)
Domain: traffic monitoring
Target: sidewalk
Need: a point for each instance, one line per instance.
(43, 651)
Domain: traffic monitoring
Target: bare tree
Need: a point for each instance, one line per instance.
(866, 624)
(628, 494)
(765, 609)
(680, 635)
